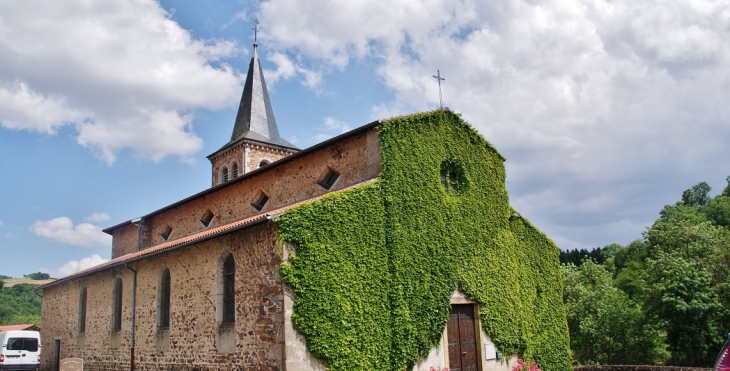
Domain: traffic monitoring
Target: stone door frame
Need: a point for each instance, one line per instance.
(459, 298)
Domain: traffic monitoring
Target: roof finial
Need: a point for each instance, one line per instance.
(255, 30)
(438, 77)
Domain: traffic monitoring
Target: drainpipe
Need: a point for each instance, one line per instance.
(134, 297)
(138, 222)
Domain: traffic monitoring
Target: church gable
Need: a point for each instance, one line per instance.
(376, 266)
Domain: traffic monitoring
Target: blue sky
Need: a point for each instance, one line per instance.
(605, 110)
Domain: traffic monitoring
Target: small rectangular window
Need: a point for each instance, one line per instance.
(82, 311)
(165, 301)
(229, 290)
(117, 306)
(329, 179)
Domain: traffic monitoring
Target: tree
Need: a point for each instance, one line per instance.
(687, 270)
(606, 327)
(671, 287)
(576, 256)
(682, 299)
(718, 211)
(698, 195)
(19, 304)
(726, 191)
(38, 276)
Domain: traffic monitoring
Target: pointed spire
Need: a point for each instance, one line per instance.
(255, 119)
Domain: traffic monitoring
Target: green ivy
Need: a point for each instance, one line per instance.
(376, 265)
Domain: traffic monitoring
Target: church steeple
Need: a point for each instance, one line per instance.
(255, 119)
(255, 141)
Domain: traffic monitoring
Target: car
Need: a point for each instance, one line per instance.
(723, 360)
(20, 350)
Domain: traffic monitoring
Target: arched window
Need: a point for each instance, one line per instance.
(224, 174)
(229, 290)
(163, 315)
(82, 311)
(117, 305)
(234, 168)
(264, 163)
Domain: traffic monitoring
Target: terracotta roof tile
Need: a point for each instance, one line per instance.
(17, 327)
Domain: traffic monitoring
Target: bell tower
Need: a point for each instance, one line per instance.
(255, 141)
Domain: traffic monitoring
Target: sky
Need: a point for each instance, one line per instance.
(606, 110)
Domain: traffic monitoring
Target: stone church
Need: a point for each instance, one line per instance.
(390, 247)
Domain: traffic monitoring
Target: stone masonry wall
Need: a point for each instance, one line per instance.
(254, 153)
(232, 154)
(193, 341)
(124, 240)
(356, 158)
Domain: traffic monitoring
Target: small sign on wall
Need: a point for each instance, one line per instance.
(71, 364)
(490, 350)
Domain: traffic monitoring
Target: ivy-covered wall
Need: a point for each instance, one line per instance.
(375, 266)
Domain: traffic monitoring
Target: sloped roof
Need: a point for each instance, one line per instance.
(29, 326)
(252, 173)
(193, 238)
(255, 119)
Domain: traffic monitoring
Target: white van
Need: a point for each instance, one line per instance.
(20, 350)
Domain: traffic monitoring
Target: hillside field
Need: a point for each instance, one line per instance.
(10, 282)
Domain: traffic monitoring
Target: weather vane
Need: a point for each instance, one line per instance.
(255, 30)
(438, 77)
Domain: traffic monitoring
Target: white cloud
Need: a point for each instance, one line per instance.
(287, 69)
(62, 230)
(331, 128)
(98, 217)
(331, 123)
(1, 223)
(74, 266)
(23, 108)
(605, 110)
(121, 73)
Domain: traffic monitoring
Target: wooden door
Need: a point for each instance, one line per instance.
(462, 339)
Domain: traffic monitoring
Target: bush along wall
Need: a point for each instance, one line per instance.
(376, 265)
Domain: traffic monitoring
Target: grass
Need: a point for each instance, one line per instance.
(10, 282)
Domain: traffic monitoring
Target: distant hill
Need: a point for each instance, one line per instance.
(20, 303)
(10, 282)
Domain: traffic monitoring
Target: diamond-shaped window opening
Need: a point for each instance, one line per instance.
(166, 233)
(207, 218)
(329, 179)
(260, 201)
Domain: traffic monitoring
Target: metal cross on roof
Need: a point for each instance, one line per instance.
(438, 77)
(255, 30)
